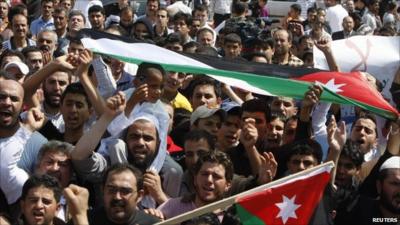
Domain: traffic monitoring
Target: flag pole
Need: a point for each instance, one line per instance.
(231, 200)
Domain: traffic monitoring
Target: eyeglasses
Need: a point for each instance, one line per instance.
(122, 190)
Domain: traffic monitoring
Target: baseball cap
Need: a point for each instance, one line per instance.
(203, 112)
(23, 68)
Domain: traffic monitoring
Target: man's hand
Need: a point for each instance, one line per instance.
(152, 183)
(324, 44)
(267, 169)
(77, 200)
(115, 105)
(85, 58)
(336, 135)
(249, 134)
(35, 119)
(312, 96)
(65, 63)
(155, 212)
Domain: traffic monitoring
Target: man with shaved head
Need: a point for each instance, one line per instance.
(13, 139)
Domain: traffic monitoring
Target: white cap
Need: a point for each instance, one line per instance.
(391, 163)
(23, 68)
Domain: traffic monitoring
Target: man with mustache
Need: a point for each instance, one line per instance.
(47, 42)
(122, 190)
(20, 30)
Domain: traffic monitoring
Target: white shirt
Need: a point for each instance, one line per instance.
(12, 178)
(334, 16)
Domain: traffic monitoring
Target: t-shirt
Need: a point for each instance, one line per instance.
(99, 217)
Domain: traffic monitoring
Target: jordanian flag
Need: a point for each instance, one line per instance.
(290, 202)
(272, 80)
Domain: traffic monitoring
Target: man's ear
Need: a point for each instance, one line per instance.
(219, 101)
(59, 206)
(228, 186)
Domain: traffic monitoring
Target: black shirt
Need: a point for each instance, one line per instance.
(99, 217)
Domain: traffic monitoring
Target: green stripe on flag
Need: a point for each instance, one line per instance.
(247, 218)
(274, 85)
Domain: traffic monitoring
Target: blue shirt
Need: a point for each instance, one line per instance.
(39, 24)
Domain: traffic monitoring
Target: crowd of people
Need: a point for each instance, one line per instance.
(89, 139)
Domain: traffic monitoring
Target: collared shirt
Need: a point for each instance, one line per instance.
(39, 24)
(292, 61)
(10, 45)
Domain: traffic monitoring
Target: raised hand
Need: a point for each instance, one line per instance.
(35, 119)
(324, 44)
(115, 105)
(85, 58)
(77, 200)
(249, 134)
(312, 96)
(155, 212)
(65, 63)
(152, 184)
(268, 168)
(336, 135)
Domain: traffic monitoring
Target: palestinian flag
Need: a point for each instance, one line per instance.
(273, 80)
(290, 202)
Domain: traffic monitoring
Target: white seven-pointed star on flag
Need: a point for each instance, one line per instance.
(332, 86)
(287, 208)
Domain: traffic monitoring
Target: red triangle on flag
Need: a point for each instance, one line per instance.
(292, 202)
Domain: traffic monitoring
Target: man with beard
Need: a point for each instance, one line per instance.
(140, 147)
(122, 191)
(45, 21)
(213, 174)
(386, 209)
(20, 30)
(33, 58)
(13, 141)
(54, 80)
(52, 159)
(47, 43)
(282, 44)
(364, 132)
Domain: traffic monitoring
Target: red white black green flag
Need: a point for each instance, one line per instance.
(273, 80)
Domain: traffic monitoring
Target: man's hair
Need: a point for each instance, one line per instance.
(122, 167)
(290, 35)
(219, 158)
(239, 7)
(255, 105)
(183, 16)
(311, 10)
(296, 7)
(200, 80)
(76, 88)
(201, 8)
(60, 10)
(232, 38)
(197, 135)
(256, 54)
(46, 181)
(206, 50)
(158, 2)
(54, 146)
(52, 32)
(126, 8)
(368, 116)
(76, 13)
(9, 52)
(371, 2)
(191, 44)
(143, 69)
(45, 1)
(353, 152)
(96, 9)
(205, 29)
(115, 28)
(15, 10)
(306, 147)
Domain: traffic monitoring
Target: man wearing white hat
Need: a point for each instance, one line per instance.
(16, 71)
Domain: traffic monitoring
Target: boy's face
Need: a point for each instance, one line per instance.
(345, 171)
(155, 84)
(181, 27)
(232, 49)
